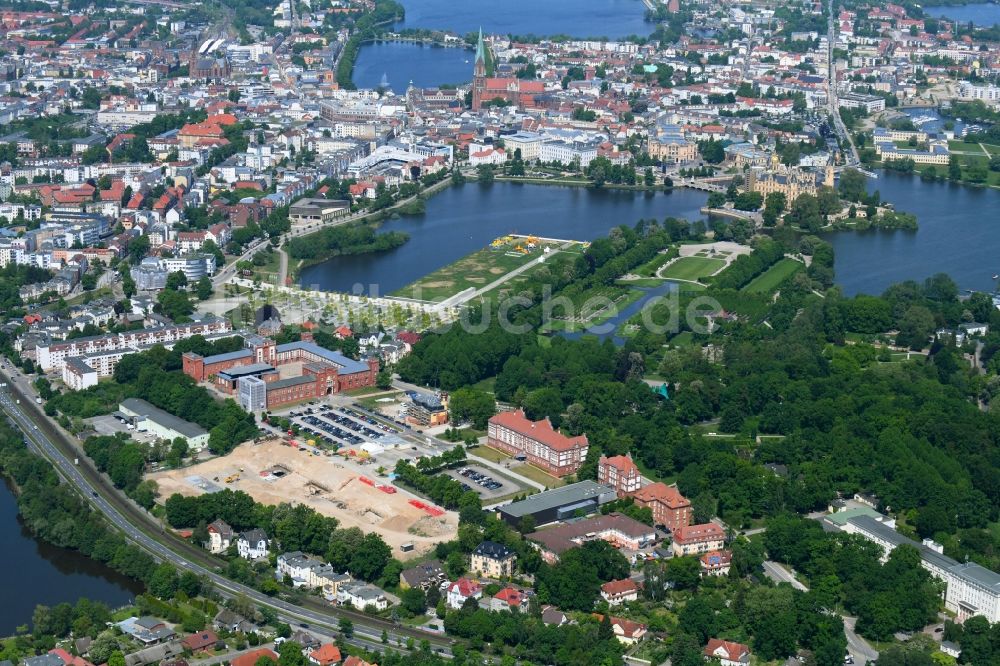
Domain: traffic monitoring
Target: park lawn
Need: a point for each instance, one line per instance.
(640, 282)
(962, 146)
(692, 268)
(372, 403)
(475, 270)
(537, 475)
(487, 453)
(770, 279)
(649, 268)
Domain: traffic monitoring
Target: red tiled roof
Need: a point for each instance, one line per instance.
(250, 658)
(622, 463)
(326, 654)
(541, 431)
(616, 587)
(732, 650)
(465, 587)
(704, 532)
(661, 492)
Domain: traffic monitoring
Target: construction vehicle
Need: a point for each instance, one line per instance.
(232, 477)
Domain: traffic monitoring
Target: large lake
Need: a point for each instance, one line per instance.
(462, 219)
(578, 18)
(981, 14)
(958, 234)
(34, 572)
(402, 62)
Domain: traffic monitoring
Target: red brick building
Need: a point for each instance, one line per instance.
(324, 372)
(669, 507)
(540, 443)
(620, 473)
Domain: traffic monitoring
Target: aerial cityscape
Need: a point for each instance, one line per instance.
(552, 333)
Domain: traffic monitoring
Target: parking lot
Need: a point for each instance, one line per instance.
(109, 425)
(486, 483)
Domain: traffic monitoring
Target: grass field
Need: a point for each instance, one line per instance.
(692, 268)
(475, 270)
(538, 476)
(770, 279)
(487, 453)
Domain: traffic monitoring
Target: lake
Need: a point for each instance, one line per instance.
(956, 236)
(462, 219)
(401, 62)
(35, 572)
(578, 18)
(981, 14)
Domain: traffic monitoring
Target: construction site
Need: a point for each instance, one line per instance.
(273, 472)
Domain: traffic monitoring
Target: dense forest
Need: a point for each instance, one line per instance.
(843, 419)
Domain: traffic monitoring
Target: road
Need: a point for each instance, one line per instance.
(43, 437)
(831, 77)
(857, 646)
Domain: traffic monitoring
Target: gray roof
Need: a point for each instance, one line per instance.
(347, 365)
(289, 381)
(551, 499)
(249, 369)
(162, 418)
(969, 571)
(43, 660)
(228, 356)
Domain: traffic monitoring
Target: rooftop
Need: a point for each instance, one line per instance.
(551, 499)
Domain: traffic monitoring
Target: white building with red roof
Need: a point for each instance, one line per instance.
(698, 539)
(461, 591)
(617, 592)
(539, 443)
(727, 652)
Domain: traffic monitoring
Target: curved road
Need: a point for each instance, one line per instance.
(26, 416)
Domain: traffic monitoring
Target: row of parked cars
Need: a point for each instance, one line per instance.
(479, 478)
(365, 418)
(330, 429)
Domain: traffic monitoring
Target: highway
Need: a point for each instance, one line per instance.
(42, 437)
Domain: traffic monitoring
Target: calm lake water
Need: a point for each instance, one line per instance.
(982, 14)
(956, 235)
(401, 62)
(578, 18)
(34, 572)
(959, 234)
(460, 220)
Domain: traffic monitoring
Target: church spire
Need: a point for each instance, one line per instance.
(480, 47)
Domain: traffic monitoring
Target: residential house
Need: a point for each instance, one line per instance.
(461, 591)
(716, 563)
(251, 658)
(227, 620)
(698, 539)
(252, 545)
(619, 592)
(146, 630)
(493, 560)
(727, 652)
(154, 654)
(326, 655)
(361, 595)
(509, 598)
(357, 661)
(554, 617)
(626, 631)
(425, 576)
(200, 641)
(220, 536)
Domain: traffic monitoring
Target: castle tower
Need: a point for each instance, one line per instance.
(828, 180)
(479, 74)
